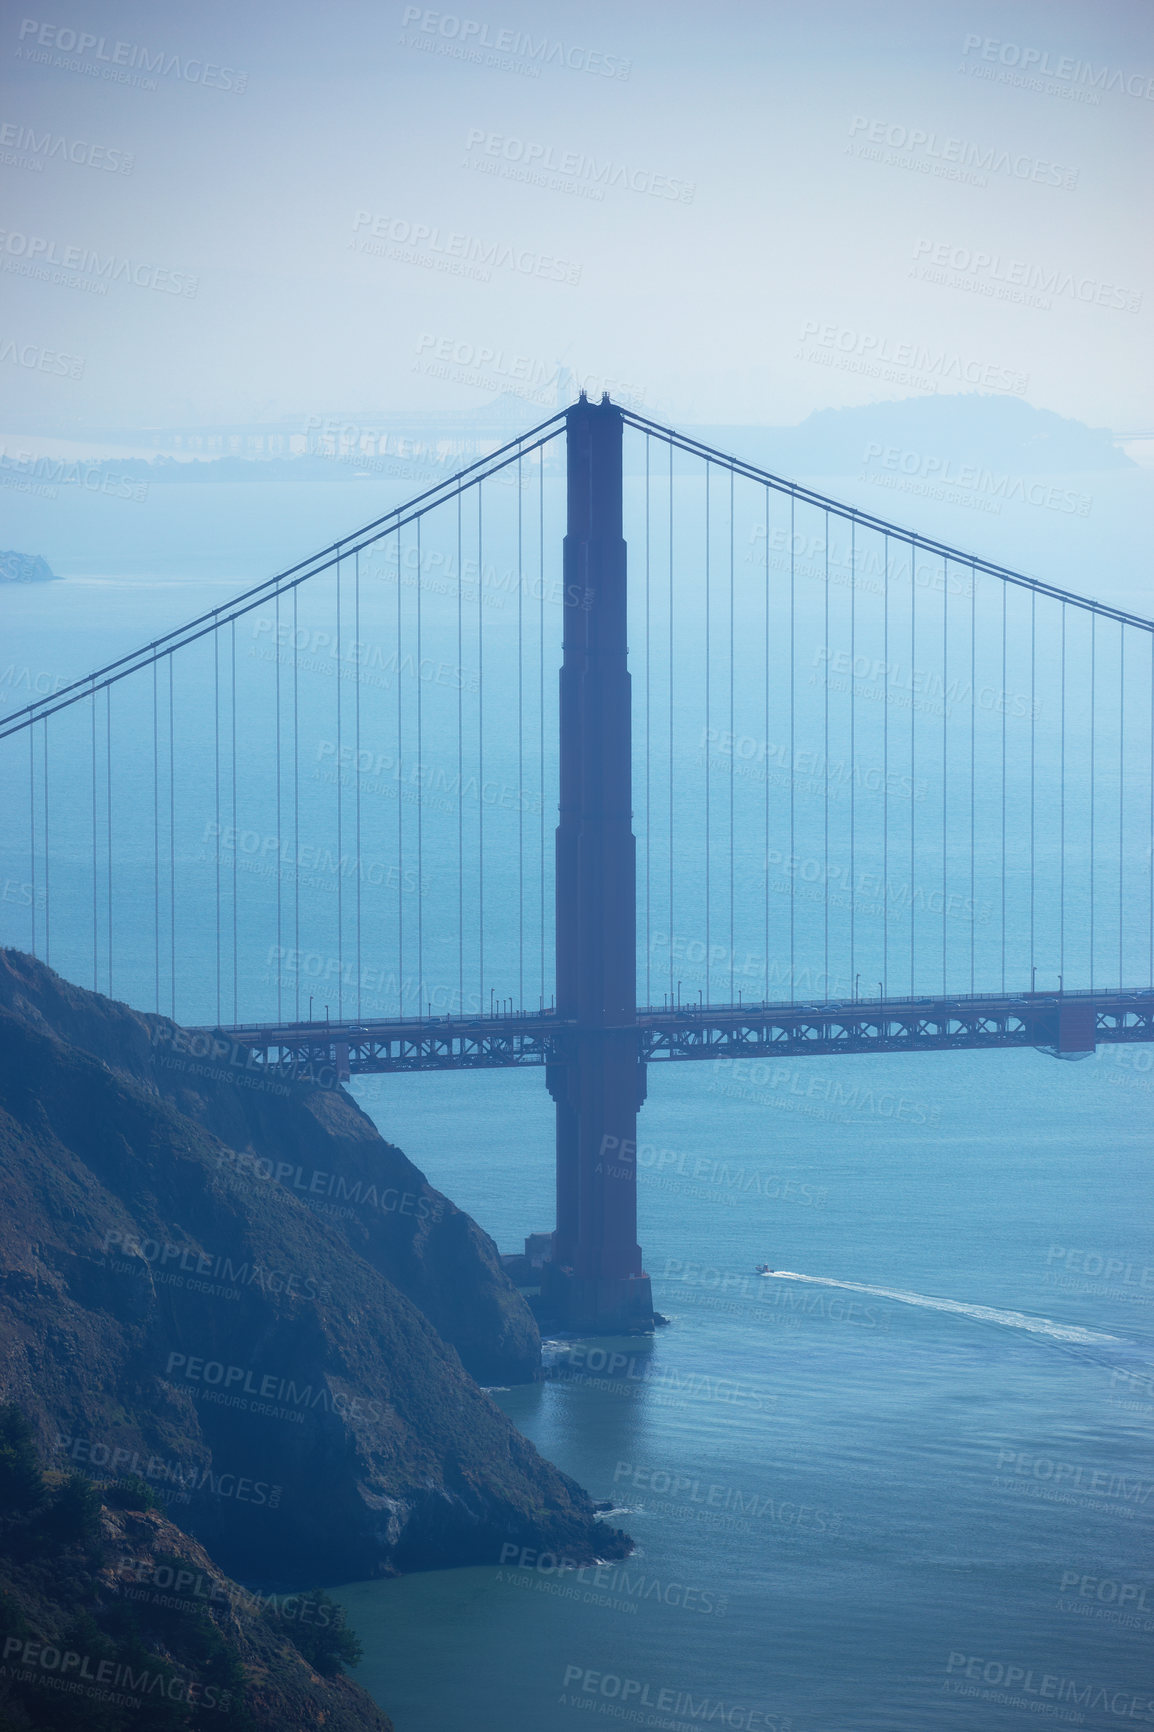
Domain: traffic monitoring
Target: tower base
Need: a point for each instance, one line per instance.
(597, 1305)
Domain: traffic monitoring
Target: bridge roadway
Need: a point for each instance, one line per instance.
(1069, 1025)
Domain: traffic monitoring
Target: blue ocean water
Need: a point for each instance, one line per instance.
(912, 1490)
(906, 1482)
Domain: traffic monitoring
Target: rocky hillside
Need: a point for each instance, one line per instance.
(176, 1306)
(315, 1143)
(111, 1617)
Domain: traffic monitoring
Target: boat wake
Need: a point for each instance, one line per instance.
(981, 1313)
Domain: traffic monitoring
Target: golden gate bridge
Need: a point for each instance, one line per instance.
(850, 753)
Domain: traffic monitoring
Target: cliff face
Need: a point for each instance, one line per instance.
(173, 1311)
(113, 1618)
(316, 1143)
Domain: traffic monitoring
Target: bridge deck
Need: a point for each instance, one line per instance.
(1068, 1024)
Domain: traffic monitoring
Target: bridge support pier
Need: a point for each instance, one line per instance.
(594, 1281)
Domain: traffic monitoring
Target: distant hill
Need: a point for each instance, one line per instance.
(999, 432)
(25, 568)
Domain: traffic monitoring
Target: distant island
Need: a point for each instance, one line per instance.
(25, 568)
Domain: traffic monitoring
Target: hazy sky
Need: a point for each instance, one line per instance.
(740, 212)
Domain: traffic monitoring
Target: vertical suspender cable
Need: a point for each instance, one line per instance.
(1121, 786)
(357, 752)
(172, 834)
(420, 995)
(792, 726)
(825, 764)
(541, 689)
(852, 749)
(731, 741)
(648, 659)
(108, 815)
(235, 847)
(47, 859)
(886, 766)
(400, 792)
(973, 762)
(296, 822)
(765, 854)
(340, 808)
(481, 744)
(520, 748)
(32, 833)
(541, 707)
(1005, 593)
(945, 756)
(279, 832)
(216, 796)
(94, 902)
(913, 746)
(156, 837)
(671, 738)
(1033, 678)
(1093, 755)
(460, 772)
(1062, 816)
(708, 850)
